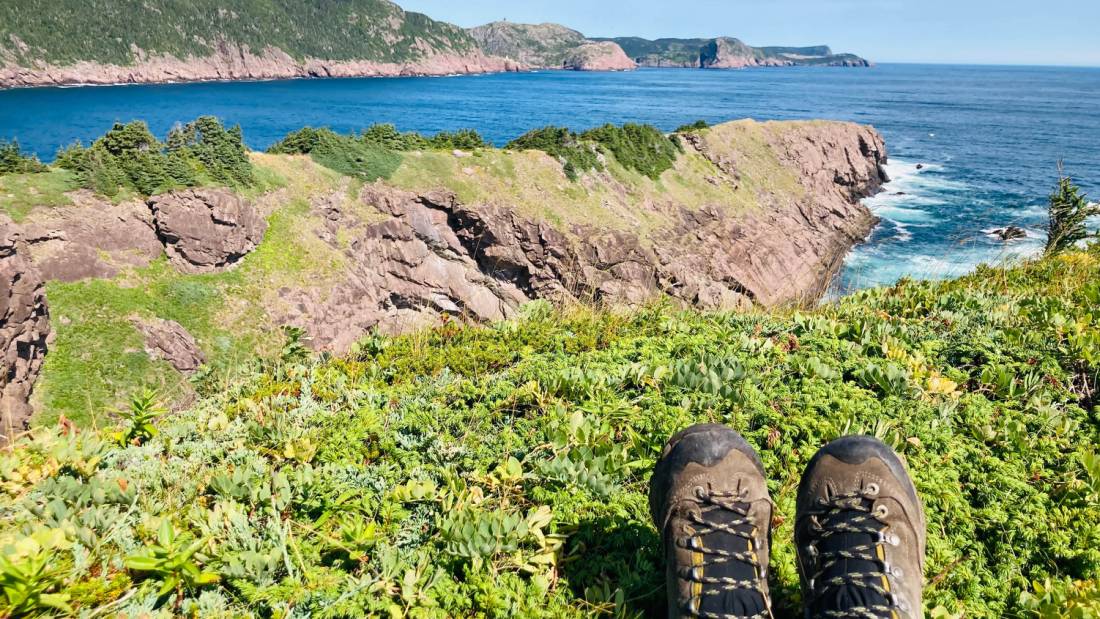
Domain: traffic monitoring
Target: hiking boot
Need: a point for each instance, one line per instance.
(710, 502)
(860, 533)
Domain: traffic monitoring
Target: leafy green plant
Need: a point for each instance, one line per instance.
(30, 577)
(172, 560)
(698, 125)
(138, 421)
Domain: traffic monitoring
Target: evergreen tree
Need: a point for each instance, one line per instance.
(1069, 212)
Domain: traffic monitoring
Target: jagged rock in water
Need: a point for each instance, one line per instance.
(24, 329)
(206, 230)
(169, 341)
(1010, 233)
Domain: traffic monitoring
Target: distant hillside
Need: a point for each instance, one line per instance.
(76, 41)
(727, 52)
(550, 46)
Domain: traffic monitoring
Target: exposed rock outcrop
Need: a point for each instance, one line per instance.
(237, 63)
(434, 255)
(729, 53)
(550, 46)
(24, 328)
(91, 239)
(602, 56)
(169, 341)
(206, 230)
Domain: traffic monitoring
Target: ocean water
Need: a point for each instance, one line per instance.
(988, 139)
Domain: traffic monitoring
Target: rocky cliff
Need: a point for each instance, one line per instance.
(550, 46)
(139, 41)
(728, 53)
(24, 327)
(750, 214)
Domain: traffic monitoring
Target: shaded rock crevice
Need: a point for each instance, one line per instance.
(24, 331)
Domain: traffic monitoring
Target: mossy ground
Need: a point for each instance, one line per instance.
(22, 193)
(501, 470)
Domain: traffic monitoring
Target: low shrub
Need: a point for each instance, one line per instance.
(373, 154)
(642, 148)
(13, 161)
(130, 157)
(698, 125)
(575, 155)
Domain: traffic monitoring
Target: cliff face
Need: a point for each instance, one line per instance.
(136, 41)
(751, 214)
(550, 46)
(24, 327)
(240, 63)
(729, 53)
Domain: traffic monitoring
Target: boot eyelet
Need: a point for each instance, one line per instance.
(700, 492)
(881, 511)
(872, 489)
(893, 539)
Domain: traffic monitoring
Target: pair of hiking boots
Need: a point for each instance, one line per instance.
(859, 529)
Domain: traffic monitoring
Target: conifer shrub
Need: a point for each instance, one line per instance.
(576, 156)
(13, 161)
(642, 148)
(698, 125)
(130, 157)
(1069, 212)
(375, 152)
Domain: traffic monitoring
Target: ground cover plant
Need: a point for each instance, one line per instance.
(501, 470)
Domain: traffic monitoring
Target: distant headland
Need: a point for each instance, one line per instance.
(154, 41)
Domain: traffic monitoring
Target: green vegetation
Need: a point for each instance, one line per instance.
(642, 148)
(56, 31)
(22, 193)
(1068, 215)
(575, 155)
(501, 470)
(13, 161)
(698, 125)
(372, 154)
(129, 157)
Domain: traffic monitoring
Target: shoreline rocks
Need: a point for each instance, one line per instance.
(239, 63)
(206, 230)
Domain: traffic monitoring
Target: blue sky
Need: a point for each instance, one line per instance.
(1063, 32)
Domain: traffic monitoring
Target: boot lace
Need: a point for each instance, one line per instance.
(853, 514)
(728, 513)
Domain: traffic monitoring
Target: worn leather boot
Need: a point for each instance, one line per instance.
(860, 533)
(710, 502)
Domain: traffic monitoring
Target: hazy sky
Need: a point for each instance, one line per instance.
(964, 31)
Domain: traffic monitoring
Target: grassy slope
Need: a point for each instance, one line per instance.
(534, 184)
(22, 193)
(502, 471)
(97, 361)
(57, 30)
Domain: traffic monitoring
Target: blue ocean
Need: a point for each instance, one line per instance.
(972, 148)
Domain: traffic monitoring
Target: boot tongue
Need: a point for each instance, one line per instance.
(738, 602)
(855, 591)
